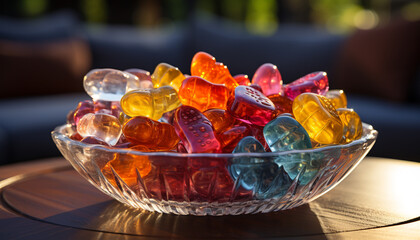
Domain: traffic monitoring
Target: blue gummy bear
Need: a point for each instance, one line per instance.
(285, 133)
(248, 144)
(260, 175)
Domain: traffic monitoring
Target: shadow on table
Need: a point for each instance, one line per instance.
(114, 217)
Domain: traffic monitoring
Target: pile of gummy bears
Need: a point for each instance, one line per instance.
(211, 111)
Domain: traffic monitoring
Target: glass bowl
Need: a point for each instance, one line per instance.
(213, 184)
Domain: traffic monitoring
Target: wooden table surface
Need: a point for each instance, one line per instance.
(48, 200)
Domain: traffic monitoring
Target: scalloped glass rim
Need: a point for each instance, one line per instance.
(369, 133)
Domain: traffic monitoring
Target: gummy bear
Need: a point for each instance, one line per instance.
(202, 94)
(269, 79)
(319, 117)
(204, 65)
(230, 138)
(168, 117)
(150, 103)
(263, 178)
(337, 97)
(249, 144)
(152, 134)
(126, 165)
(220, 119)
(285, 133)
(109, 84)
(143, 76)
(109, 107)
(242, 79)
(210, 179)
(316, 82)
(166, 74)
(83, 108)
(256, 87)
(195, 131)
(353, 128)
(282, 103)
(103, 126)
(94, 140)
(251, 106)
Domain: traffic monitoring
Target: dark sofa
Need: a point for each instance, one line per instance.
(42, 82)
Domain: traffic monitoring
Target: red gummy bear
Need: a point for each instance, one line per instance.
(316, 82)
(251, 106)
(195, 131)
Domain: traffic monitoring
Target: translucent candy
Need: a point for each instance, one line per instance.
(168, 117)
(166, 74)
(202, 94)
(204, 65)
(220, 119)
(195, 131)
(337, 97)
(143, 76)
(103, 126)
(210, 179)
(230, 138)
(83, 108)
(319, 117)
(251, 106)
(258, 133)
(303, 166)
(284, 133)
(269, 79)
(152, 134)
(109, 107)
(256, 87)
(249, 144)
(282, 103)
(123, 118)
(151, 103)
(242, 79)
(353, 128)
(263, 178)
(126, 165)
(109, 84)
(316, 82)
(93, 140)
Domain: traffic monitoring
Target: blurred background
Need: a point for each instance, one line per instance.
(369, 48)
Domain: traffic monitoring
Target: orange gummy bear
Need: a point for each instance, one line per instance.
(204, 65)
(150, 133)
(202, 94)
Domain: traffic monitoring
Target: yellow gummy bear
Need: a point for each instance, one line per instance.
(166, 74)
(353, 128)
(318, 116)
(151, 103)
(337, 97)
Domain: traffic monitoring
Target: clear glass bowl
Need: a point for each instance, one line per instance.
(213, 184)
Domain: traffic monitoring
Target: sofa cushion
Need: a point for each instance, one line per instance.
(53, 27)
(41, 58)
(126, 47)
(397, 125)
(26, 125)
(381, 62)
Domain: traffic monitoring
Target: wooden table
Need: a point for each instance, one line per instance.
(48, 200)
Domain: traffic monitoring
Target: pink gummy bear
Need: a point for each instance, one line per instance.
(316, 82)
(269, 79)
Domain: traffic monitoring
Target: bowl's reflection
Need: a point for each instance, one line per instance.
(117, 218)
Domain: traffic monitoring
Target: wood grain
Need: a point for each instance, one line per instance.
(380, 199)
